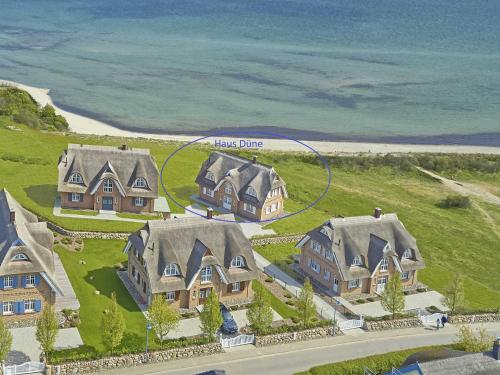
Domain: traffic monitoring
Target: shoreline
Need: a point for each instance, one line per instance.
(88, 126)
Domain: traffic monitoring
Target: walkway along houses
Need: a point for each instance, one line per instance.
(357, 255)
(27, 271)
(242, 186)
(186, 259)
(108, 178)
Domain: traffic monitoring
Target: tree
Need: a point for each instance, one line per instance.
(113, 325)
(5, 341)
(46, 330)
(469, 342)
(305, 304)
(260, 314)
(393, 298)
(454, 296)
(163, 317)
(210, 316)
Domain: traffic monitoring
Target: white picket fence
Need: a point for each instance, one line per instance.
(236, 341)
(25, 368)
(431, 319)
(351, 324)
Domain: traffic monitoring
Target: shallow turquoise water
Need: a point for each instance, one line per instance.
(374, 68)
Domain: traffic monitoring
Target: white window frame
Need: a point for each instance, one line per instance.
(251, 191)
(8, 308)
(316, 246)
(210, 176)
(8, 282)
(326, 275)
(353, 284)
(329, 254)
(405, 275)
(140, 182)
(76, 178)
(238, 262)
(236, 287)
(206, 274)
(357, 261)
(107, 185)
(139, 201)
(20, 256)
(228, 189)
(408, 254)
(75, 197)
(171, 269)
(170, 296)
(208, 191)
(29, 305)
(249, 208)
(30, 280)
(384, 264)
(314, 265)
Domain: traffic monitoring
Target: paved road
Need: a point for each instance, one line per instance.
(291, 358)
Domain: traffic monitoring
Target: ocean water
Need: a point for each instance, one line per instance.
(359, 68)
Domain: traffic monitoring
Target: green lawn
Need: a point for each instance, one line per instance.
(78, 212)
(101, 256)
(137, 216)
(278, 254)
(279, 306)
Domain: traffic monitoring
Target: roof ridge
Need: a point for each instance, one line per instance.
(87, 147)
(241, 158)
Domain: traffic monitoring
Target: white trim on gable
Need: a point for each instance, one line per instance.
(52, 285)
(127, 247)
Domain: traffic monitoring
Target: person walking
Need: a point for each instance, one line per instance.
(444, 320)
(438, 323)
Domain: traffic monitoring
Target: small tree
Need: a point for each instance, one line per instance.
(163, 317)
(305, 304)
(260, 314)
(5, 341)
(210, 316)
(454, 296)
(46, 330)
(469, 342)
(393, 298)
(113, 325)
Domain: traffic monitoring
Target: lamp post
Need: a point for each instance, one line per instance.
(148, 328)
(335, 314)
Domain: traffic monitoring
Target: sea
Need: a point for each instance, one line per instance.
(398, 70)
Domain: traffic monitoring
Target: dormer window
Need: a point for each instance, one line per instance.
(238, 261)
(206, 274)
(323, 231)
(316, 246)
(140, 183)
(76, 178)
(384, 264)
(210, 176)
(357, 261)
(228, 189)
(172, 269)
(108, 186)
(408, 254)
(251, 191)
(19, 257)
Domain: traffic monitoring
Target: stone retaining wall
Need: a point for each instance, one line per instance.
(383, 325)
(289, 337)
(476, 318)
(131, 360)
(277, 239)
(99, 235)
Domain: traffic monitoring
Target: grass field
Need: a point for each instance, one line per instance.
(279, 306)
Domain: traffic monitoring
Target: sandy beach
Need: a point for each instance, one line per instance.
(84, 125)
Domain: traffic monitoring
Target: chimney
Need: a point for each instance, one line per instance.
(254, 159)
(496, 349)
(12, 216)
(377, 213)
(210, 213)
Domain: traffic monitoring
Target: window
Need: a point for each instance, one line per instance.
(170, 296)
(75, 197)
(171, 269)
(204, 293)
(323, 231)
(228, 189)
(30, 280)
(140, 183)
(329, 255)
(208, 191)
(206, 274)
(238, 261)
(144, 287)
(316, 246)
(273, 193)
(315, 266)
(251, 191)
(326, 275)
(76, 178)
(108, 186)
(210, 176)
(29, 306)
(407, 254)
(236, 286)
(133, 272)
(353, 284)
(8, 282)
(139, 201)
(384, 264)
(20, 256)
(249, 208)
(405, 275)
(357, 261)
(8, 308)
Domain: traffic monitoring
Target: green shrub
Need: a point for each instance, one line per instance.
(371, 299)
(290, 303)
(455, 201)
(287, 295)
(269, 279)
(295, 319)
(360, 300)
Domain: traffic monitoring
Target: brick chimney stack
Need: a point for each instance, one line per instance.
(377, 213)
(12, 216)
(210, 213)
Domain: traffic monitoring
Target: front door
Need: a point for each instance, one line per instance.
(381, 282)
(335, 285)
(107, 203)
(204, 293)
(227, 202)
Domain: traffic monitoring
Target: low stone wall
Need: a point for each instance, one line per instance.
(277, 239)
(383, 325)
(98, 235)
(476, 318)
(131, 360)
(289, 337)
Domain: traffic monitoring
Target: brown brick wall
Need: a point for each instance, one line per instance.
(127, 205)
(86, 204)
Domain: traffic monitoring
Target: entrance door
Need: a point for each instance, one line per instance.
(227, 202)
(335, 285)
(107, 203)
(204, 293)
(381, 282)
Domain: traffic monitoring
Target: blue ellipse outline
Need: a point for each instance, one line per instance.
(247, 132)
